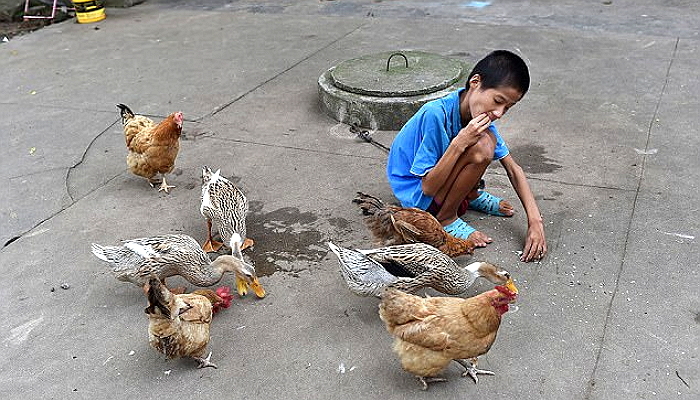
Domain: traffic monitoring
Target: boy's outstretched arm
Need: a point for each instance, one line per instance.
(535, 243)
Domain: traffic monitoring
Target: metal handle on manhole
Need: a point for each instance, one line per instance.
(396, 54)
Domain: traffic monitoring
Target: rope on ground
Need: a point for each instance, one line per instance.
(365, 135)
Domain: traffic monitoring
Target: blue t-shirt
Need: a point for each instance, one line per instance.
(422, 142)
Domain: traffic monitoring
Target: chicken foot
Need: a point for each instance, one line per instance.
(472, 370)
(426, 380)
(164, 185)
(205, 362)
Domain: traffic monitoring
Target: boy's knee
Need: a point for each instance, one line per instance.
(482, 151)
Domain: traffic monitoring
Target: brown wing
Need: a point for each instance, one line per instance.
(135, 126)
(440, 323)
(159, 157)
(392, 225)
(200, 308)
(188, 335)
(418, 225)
(182, 329)
(399, 309)
(154, 150)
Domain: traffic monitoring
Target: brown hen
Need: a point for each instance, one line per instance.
(392, 225)
(152, 147)
(431, 332)
(178, 323)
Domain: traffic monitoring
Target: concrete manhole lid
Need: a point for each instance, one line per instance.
(425, 73)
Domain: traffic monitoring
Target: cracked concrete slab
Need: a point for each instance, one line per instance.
(42, 144)
(659, 307)
(608, 314)
(227, 47)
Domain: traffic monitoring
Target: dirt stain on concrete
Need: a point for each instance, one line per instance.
(533, 160)
(287, 239)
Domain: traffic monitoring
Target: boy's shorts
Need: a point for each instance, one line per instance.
(434, 207)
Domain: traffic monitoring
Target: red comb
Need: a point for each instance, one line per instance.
(225, 293)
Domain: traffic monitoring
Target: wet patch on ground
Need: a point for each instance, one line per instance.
(288, 239)
(533, 160)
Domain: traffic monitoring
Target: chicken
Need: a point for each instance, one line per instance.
(391, 225)
(431, 332)
(410, 267)
(178, 324)
(152, 147)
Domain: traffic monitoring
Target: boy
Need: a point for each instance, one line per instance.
(440, 155)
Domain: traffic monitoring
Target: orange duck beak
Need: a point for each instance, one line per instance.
(510, 285)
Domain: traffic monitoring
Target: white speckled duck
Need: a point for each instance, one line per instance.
(225, 205)
(410, 267)
(137, 260)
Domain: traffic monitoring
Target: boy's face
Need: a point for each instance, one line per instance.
(494, 102)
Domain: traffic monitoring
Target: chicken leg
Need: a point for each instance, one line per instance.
(426, 380)
(472, 370)
(205, 362)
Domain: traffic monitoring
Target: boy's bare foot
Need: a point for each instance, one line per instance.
(480, 239)
(505, 208)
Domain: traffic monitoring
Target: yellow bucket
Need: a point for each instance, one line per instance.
(88, 11)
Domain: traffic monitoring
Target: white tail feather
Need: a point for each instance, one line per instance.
(99, 252)
(363, 276)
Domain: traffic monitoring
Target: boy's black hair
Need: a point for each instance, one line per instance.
(502, 68)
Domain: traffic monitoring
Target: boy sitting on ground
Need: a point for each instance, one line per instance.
(439, 157)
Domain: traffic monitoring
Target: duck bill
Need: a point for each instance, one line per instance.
(241, 287)
(257, 288)
(510, 285)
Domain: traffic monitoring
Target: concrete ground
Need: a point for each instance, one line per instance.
(607, 135)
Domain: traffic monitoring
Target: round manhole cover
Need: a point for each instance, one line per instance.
(365, 92)
(395, 74)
